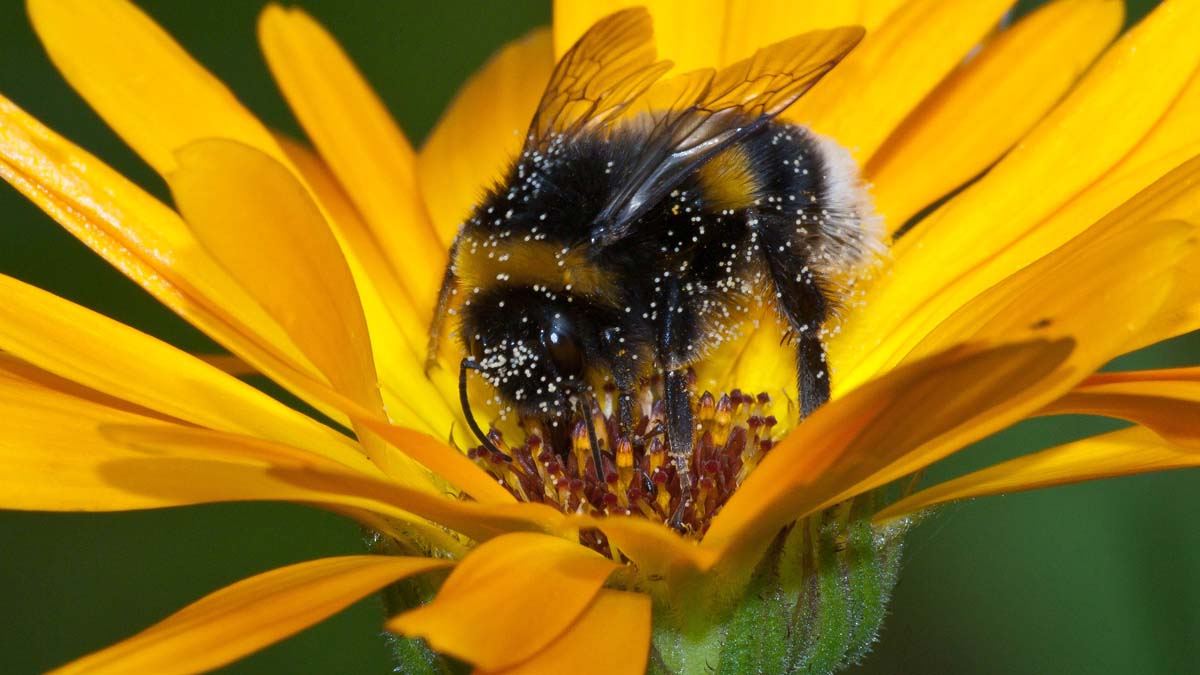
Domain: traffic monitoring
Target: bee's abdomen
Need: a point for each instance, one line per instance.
(810, 189)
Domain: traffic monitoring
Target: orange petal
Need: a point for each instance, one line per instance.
(509, 599)
(482, 130)
(158, 99)
(361, 143)
(1039, 196)
(1120, 453)
(870, 92)
(1102, 287)
(283, 473)
(988, 103)
(58, 456)
(251, 614)
(665, 561)
(441, 459)
(687, 32)
(611, 637)
(242, 204)
(52, 453)
(102, 354)
(398, 336)
(148, 89)
(12, 368)
(147, 242)
(259, 222)
(925, 409)
(64, 453)
(1165, 401)
(752, 25)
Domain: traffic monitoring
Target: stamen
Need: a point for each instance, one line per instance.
(586, 465)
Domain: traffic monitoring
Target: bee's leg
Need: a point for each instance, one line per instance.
(680, 432)
(801, 301)
(624, 374)
(674, 346)
(812, 373)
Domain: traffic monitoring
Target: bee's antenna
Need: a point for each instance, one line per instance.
(585, 411)
(466, 408)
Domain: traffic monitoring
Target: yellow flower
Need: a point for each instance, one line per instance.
(320, 271)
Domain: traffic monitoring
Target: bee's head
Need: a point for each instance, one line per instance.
(533, 346)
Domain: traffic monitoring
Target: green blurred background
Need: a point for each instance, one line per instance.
(1095, 578)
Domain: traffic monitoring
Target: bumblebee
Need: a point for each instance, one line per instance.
(646, 219)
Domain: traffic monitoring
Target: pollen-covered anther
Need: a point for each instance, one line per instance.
(555, 464)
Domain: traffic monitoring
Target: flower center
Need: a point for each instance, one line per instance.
(554, 464)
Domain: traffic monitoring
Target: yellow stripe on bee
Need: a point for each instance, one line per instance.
(728, 181)
(533, 263)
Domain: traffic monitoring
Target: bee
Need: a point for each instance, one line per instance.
(644, 219)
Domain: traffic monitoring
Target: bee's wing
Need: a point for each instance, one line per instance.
(706, 113)
(608, 68)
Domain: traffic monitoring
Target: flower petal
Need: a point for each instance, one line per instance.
(444, 461)
(148, 89)
(611, 637)
(51, 451)
(398, 337)
(259, 222)
(509, 599)
(251, 614)
(872, 90)
(60, 452)
(668, 565)
(752, 25)
(1101, 288)
(147, 242)
(687, 32)
(97, 352)
(283, 473)
(988, 103)
(928, 409)
(1039, 196)
(1165, 401)
(361, 143)
(1120, 453)
(482, 130)
(151, 245)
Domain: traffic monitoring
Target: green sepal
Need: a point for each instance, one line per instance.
(813, 605)
(412, 656)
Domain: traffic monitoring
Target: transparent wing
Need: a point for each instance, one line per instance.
(694, 116)
(609, 67)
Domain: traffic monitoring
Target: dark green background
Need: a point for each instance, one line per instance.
(1095, 578)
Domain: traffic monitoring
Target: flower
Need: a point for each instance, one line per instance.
(319, 270)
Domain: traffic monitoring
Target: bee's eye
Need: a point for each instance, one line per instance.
(564, 350)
